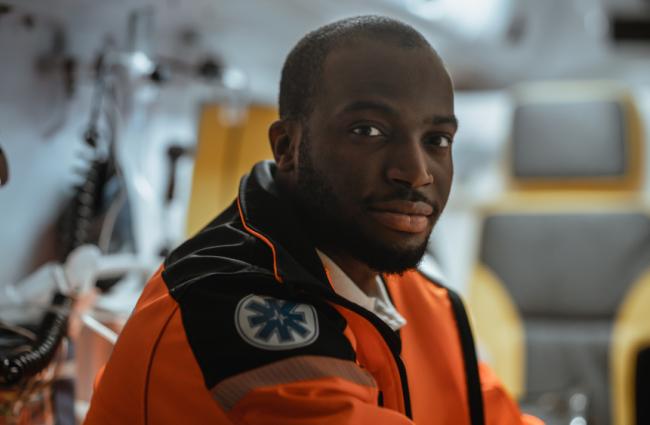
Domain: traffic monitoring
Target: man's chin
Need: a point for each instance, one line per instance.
(391, 257)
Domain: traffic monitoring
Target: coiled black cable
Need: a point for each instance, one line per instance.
(76, 221)
(16, 367)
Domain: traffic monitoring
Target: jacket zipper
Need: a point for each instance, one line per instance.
(386, 334)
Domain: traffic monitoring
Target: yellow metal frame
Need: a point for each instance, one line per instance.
(631, 334)
(229, 143)
(499, 328)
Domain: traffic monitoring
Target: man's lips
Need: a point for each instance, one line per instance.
(403, 216)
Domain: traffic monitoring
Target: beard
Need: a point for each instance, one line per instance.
(325, 222)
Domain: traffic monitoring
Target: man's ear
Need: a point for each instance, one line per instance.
(284, 136)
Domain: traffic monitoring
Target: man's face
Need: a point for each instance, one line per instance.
(374, 163)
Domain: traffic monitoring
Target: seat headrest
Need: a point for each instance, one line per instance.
(575, 136)
(567, 264)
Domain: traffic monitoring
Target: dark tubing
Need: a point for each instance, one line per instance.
(54, 326)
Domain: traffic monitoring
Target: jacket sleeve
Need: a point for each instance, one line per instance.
(500, 408)
(305, 390)
(268, 358)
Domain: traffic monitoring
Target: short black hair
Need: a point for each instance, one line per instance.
(303, 67)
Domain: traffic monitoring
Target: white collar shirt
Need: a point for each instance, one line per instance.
(377, 302)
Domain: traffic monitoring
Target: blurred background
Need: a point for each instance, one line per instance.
(126, 125)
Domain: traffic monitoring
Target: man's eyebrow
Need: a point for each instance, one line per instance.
(445, 119)
(362, 105)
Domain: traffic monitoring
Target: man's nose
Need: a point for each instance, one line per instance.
(408, 165)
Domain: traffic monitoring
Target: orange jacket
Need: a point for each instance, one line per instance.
(241, 326)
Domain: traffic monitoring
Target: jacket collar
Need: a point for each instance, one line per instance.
(271, 219)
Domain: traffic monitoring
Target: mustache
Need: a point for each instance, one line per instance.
(403, 194)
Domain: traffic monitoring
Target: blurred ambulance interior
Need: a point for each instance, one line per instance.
(125, 126)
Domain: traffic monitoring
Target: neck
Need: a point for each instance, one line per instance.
(362, 275)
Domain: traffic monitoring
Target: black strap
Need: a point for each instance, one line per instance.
(474, 394)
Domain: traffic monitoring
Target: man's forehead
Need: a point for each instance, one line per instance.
(369, 69)
(365, 46)
(371, 61)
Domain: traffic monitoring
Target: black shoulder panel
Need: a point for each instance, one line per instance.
(238, 323)
(236, 315)
(222, 248)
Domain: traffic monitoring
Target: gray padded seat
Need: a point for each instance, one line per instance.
(567, 275)
(566, 270)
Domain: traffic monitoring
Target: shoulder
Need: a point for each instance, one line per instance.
(421, 282)
(444, 291)
(417, 290)
(235, 324)
(235, 316)
(221, 251)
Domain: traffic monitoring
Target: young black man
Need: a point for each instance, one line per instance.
(301, 303)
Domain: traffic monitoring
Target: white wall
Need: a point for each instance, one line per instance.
(41, 132)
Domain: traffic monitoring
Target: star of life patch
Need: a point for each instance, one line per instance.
(274, 324)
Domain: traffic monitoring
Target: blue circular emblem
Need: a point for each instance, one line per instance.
(273, 324)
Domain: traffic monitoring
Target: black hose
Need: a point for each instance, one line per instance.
(76, 221)
(17, 367)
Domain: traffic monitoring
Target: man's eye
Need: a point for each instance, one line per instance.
(439, 140)
(367, 130)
